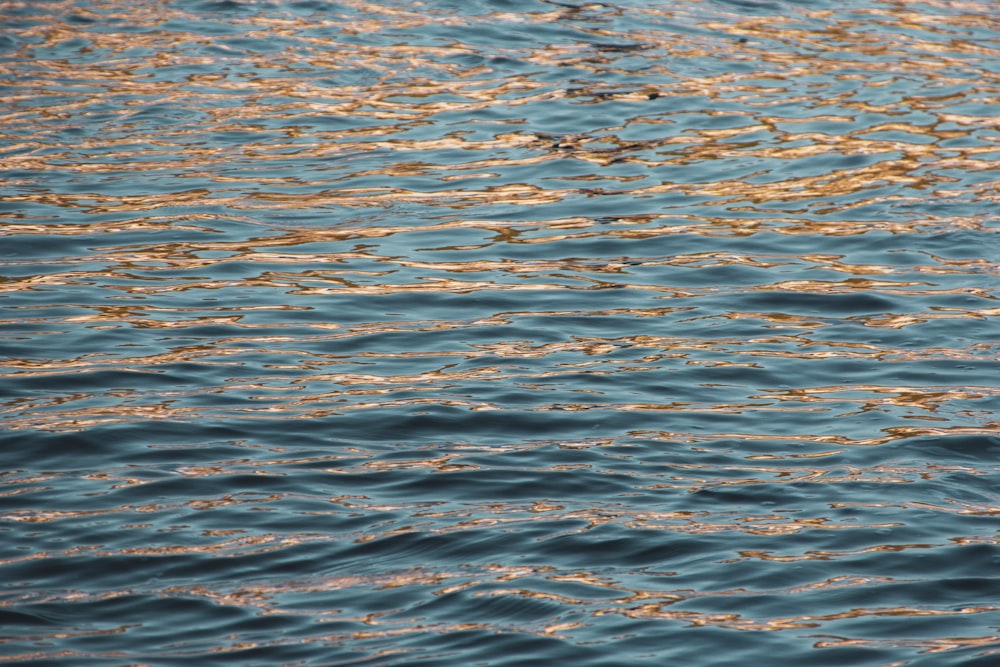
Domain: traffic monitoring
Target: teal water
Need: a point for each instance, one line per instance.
(499, 333)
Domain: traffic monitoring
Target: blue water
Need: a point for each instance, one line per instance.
(499, 333)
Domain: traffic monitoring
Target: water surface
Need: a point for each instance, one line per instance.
(499, 333)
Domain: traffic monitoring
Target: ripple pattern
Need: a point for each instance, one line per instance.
(519, 332)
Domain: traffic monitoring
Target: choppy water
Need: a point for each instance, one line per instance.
(500, 333)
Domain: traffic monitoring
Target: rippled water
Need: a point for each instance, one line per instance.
(500, 333)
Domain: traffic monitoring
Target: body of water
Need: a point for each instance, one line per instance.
(500, 333)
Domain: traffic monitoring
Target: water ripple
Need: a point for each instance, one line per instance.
(503, 333)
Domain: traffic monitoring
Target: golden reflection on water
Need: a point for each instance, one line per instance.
(389, 100)
(174, 165)
(739, 622)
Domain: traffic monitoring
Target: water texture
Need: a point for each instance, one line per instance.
(511, 332)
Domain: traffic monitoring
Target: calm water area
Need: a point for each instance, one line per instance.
(500, 333)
